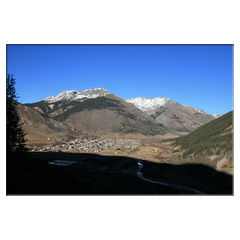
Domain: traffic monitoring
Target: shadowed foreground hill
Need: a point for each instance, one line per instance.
(96, 174)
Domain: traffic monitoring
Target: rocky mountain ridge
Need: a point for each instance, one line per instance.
(148, 105)
(151, 105)
(75, 95)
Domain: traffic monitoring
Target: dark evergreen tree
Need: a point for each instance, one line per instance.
(15, 133)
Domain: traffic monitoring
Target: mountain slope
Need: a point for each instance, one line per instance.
(109, 114)
(174, 116)
(213, 140)
(217, 128)
(38, 126)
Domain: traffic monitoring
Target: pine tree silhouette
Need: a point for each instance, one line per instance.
(15, 133)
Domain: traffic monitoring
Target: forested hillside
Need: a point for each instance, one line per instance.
(212, 138)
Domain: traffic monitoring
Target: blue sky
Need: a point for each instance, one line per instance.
(200, 76)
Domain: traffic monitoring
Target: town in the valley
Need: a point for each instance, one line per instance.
(151, 150)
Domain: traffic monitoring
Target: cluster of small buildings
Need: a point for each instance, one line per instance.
(103, 145)
(92, 145)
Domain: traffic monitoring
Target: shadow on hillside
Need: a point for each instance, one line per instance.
(90, 174)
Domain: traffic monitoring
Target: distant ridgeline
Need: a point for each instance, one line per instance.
(212, 138)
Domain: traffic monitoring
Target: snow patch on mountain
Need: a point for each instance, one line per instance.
(200, 111)
(149, 105)
(94, 89)
(75, 94)
(48, 99)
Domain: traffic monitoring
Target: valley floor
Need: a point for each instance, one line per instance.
(149, 149)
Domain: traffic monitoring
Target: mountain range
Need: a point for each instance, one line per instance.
(97, 110)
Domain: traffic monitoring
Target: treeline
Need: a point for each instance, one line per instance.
(211, 138)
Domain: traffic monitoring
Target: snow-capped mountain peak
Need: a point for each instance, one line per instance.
(152, 105)
(149, 105)
(75, 94)
(95, 89)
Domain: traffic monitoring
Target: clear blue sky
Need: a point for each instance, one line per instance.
(200, 76)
